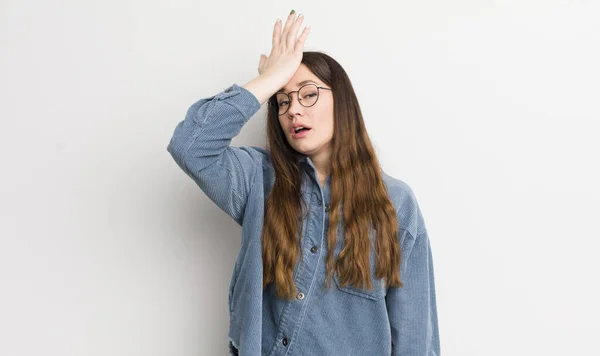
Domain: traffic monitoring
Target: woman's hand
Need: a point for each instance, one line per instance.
(286, 54)
(276, 70)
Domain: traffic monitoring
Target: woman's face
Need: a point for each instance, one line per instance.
(319, 117)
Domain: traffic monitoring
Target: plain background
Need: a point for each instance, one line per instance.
(489, 110)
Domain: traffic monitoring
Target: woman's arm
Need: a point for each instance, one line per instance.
(201, 147)
(201, 142)
(412, 309)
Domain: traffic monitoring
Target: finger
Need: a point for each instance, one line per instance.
(286, 28)
(261, 61)
(276, 32)
(293, 33)
(300, 42)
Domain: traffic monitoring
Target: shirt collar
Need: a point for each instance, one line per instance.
(305, 161)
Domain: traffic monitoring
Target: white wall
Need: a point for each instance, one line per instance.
(488, 109)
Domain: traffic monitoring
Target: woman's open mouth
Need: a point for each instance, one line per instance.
(301, 133)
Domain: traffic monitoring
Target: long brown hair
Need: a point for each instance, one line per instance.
(357, 192)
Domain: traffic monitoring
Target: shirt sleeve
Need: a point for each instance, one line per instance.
(200, 145)
(412, 308)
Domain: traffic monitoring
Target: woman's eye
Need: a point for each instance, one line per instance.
(282, 103)
(310, 95)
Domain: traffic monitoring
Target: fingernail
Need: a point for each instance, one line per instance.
(291, 12)
(278, 20)
(300, 15)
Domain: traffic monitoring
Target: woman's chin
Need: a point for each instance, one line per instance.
(302, 148)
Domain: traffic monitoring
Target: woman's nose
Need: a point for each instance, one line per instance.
(295, 105)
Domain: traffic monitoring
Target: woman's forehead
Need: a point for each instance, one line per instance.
(305, 80)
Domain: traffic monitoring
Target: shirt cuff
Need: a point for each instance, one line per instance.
(241, 98)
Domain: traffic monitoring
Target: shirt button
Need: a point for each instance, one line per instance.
(313, 249)
(228, 90)
(300, 296)
(284, 341)
(326, 207)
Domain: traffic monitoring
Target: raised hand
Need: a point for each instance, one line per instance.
(286, 54)
(277, 69)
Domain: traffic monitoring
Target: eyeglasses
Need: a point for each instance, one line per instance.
(308, 94)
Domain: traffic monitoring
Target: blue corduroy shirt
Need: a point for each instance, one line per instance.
(339, 321)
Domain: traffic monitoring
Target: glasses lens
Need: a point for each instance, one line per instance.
(282, 102)
(308, 95)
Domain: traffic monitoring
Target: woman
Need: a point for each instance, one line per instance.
(315, 206)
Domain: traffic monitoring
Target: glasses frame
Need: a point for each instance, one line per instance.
(276, 105)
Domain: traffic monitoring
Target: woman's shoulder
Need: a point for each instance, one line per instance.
(398, 189)
(404, 199)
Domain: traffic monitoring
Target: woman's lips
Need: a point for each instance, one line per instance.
(301, 133)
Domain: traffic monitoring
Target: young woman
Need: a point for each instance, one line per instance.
(314, 207)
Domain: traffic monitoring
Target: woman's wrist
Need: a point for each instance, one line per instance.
(263, 87)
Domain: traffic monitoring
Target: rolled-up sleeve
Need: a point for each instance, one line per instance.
(412, 309)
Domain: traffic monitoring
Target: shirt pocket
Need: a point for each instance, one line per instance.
(379, 289)
(377, 293)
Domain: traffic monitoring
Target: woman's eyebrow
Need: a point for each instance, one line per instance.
(298, 84)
